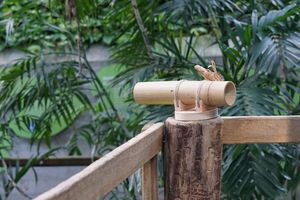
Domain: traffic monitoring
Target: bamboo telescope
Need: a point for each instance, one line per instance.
(211, 93)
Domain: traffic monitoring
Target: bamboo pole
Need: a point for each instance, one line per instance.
(213, 93)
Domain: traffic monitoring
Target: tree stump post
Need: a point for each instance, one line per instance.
(192, 159)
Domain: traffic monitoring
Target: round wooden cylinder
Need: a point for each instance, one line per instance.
(192, 159)
(213, 93)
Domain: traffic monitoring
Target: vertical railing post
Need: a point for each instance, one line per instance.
(192, 159)
(150, 180)
(149, 176)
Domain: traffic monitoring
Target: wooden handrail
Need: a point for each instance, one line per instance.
(106, 173)
(48, 162)
(261, 129)
(236, 130)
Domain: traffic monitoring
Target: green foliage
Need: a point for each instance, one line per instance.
(260, 47)
(29, 24)
(52, 80)
(10, 178)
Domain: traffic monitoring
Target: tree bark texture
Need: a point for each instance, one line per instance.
(192, 159)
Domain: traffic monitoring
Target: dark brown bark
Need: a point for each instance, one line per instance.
(192, 159)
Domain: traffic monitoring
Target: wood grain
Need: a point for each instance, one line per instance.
(103, 175)
(150, 180)
(106, 173)
(261, 129)
(192, 159)
(59, 161)
(149, 176)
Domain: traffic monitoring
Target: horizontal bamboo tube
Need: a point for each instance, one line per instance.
(213, 93)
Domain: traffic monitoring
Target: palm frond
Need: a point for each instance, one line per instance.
(255, 97)
(252, 171)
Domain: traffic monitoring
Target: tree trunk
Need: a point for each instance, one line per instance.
(192, 159)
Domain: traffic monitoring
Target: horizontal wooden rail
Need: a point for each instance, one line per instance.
(236, 130)
(106, 173)
(261, 129)
(48, 162)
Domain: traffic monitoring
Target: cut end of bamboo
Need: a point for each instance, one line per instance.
(222, 93)
(230, 93)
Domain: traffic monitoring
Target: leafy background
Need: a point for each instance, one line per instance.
(155, 40)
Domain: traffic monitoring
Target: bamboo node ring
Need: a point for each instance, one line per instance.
(176, 99)
(197, 112)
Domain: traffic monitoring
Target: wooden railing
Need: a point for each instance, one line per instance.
(261, 129)
(103, 175)
(52, 161)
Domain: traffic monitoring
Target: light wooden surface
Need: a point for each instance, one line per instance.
(150, 180)
(213, 93)
(196, 116)
(149, 176)
(106, 173)
(261, 129)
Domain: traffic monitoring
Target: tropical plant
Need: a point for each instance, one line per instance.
(158, 40)
(260, 53)
(55, 78)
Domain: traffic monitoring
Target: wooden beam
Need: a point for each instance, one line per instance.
(106, 173)
(103, 175)
(261, 129)
(60, 161)
(149, 176)
(150, 180)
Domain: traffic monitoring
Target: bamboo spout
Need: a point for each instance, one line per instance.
(212, 93)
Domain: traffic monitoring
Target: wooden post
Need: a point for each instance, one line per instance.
(150, 176)
(150, 180)
(192, 159)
